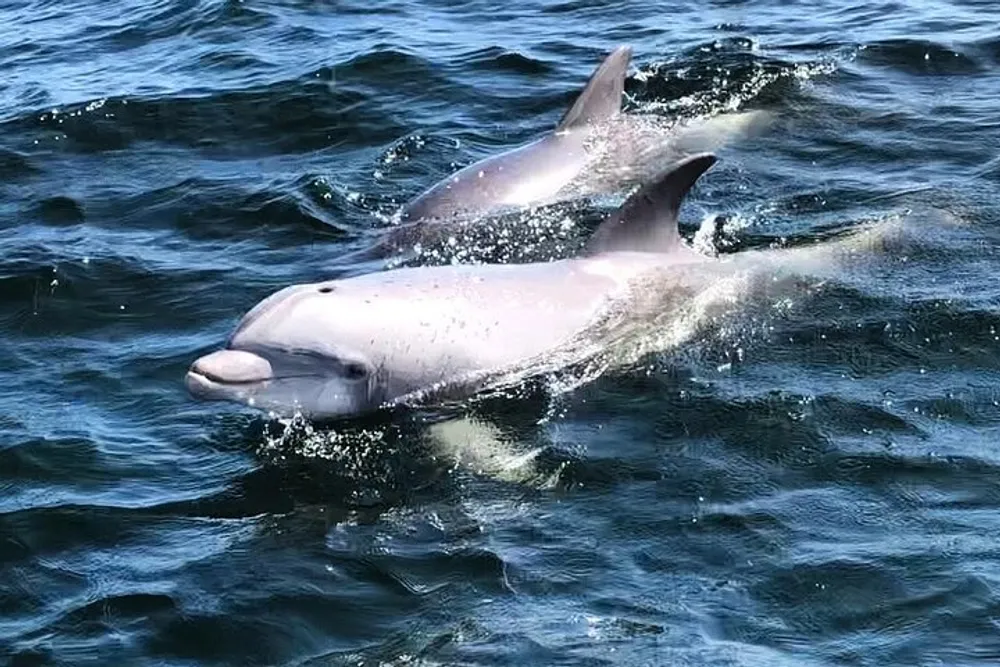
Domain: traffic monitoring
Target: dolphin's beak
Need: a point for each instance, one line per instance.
(219, 374)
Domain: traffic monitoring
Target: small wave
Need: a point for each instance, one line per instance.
(60, 210)
(918, 57)
(286, 118)
(497, 59)
(989, 48)
(15, 166)
(346, 105)
(724, 75)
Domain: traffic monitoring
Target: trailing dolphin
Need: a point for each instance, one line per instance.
(594, 150)
(345, 347)
(535, 172)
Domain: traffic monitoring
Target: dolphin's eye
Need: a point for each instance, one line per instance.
(325, 289)
(355, 371)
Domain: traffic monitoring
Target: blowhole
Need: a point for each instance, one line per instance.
(325, 290)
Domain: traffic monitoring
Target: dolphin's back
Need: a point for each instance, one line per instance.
(535, 173)
(449, 322)
(525, 176)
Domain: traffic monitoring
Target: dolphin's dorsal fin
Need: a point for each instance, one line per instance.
(602, 98)
(647, 221)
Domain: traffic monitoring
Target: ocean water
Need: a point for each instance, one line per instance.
(811, 484)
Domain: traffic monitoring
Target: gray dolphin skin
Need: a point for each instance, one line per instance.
(533, 173)
(346, 347)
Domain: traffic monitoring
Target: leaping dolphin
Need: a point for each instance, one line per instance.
(345, 347)
(536, 172)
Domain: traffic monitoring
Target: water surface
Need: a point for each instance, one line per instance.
(815, 486)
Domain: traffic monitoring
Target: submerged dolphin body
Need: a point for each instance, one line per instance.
(345, 347)
(533, 173)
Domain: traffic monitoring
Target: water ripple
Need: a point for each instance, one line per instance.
(808, 482)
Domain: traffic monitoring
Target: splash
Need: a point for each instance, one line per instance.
(537, 234)
(719, 87)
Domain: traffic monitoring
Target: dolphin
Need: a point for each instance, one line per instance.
(535, 172)
(341, 348)
(595, 149)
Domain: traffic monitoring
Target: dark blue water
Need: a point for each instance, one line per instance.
(819, 488)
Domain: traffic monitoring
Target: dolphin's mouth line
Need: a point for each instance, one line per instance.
(215, 379)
